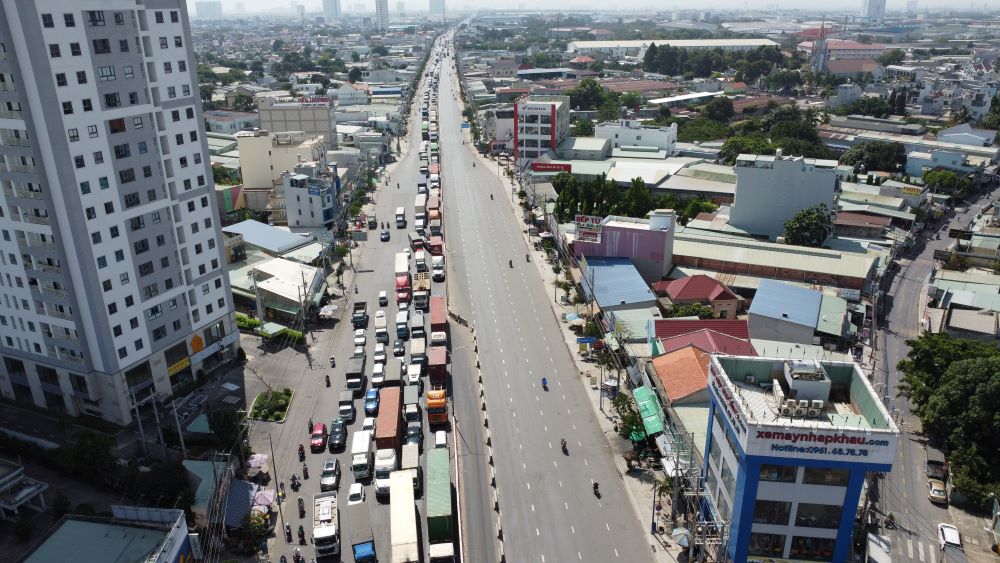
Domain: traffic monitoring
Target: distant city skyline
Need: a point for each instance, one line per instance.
(414, 6)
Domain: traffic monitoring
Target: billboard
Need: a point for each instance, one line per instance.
(551, 167)
(588, 228)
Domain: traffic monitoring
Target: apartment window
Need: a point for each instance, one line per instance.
(194, 228)
(778, 473)
(183, 161)
(127, 70)
(197, 248)
(68, 20)
(109, 207)
(158, 16)
(102, 262)
(116, 125)
(826, 476)
(155, 216)
(54, 50)
(136, 223)
(179, 138)
(201, 269)
(145, 269)
(195, 315)
(142, 147)
(189, 112)
(159, 333)
(87, 104)
(74, 49)
(178, 42)
(95, 17)
(137, 122)
(215, 263)
(172, 304)
(98, 157)
(201, 180)
(47, 20)
(161, 240)
(117, 331)
(119, 18)
(129, 301)
(74, 135)
(102, 46)
(122, 151)
(151, 194)
(191, 206)
(67, 108)
(122, 352)
(92, 131)
(141, 246)
(119, 256)
(175, 115)
(197, 158)
(133, 98)
(204, 289)
(81, 77)
(61, 79)
(177, 324)
(123, 45)
(772, 512)
(131, 200)
(187, 184)
(78, 161)
(123, 278)
(163, 42)
(168, 283)
(174, 17)
(171, 92)
(84, 188)
(138, 344)
(112, 100)
(150, 290)
(103, 182)
(211, 241)
(818, 515)
(91, 213)
(106, 284)
(112, 308)
(168, 67)
(182, 66)
(222, 303)
(133, 322)
(147, 172)
(105, 73)
(126, 176)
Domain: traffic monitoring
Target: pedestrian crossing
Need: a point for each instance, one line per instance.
(915, 549)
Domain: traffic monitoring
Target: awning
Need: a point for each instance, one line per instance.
(649, 409)
(257, 460)
(269, 330)
(239, 503)
(318, 296)
(328, 312)
(264, 497)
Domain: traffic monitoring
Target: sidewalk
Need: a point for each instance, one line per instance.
(638, 483)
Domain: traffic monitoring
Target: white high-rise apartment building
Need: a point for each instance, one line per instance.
(873, 10)
(382, 14)
(331, 9)
(113, 285)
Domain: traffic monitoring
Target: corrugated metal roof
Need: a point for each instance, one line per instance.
(97, 542)
(787, 303)
(615, 281)
(832, 315)
(271, 239)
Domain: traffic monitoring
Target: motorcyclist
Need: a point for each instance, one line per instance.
(510, 263)
(491, 196)
(564, 444)
(545, 383)
(596, 486)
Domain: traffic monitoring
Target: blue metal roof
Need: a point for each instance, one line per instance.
(614, 281)
(786, 302)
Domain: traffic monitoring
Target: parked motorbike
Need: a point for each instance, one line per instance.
(288, 533)
(565, 450)
(302, 534)
(333, 362)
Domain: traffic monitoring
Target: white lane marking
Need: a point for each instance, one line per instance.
(909, 547)
(528, 485)
(574, 427)
(566, 504)
(524, 466)
(579, 556)
(568, 411)
(606, 525)
(554, 464)
(545, 428)
(920, 550)
(571, 528)
(537, 532)
(532, 508)
(520, 446)
(560, 484)
(585, 461)
(550, 445)
(616, 554)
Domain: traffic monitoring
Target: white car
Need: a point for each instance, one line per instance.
(359, 337)
(440, 439)
(359, 352)
(383, 299)
(379, 356)
(356, 494)
(948, 536)
(368, 423)
(380, 314)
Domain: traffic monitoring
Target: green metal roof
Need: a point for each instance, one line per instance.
(832, 315)
(271, 329)
(97, 542)
(438, 483)
(649, 409)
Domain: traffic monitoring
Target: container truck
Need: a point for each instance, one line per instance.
(437, 366)
(420, 207)
(440, 522)
(421, 290)
(402, 278)
(402, 263)
(326, 524)
(400, 218)
(434, 169)
(361, 454)
(381, 333)
(437, 407)
(403, 519)
(411, 403)
(388, 426)
(439, 314)
(359, 314)
(436, 245)
(362, 539)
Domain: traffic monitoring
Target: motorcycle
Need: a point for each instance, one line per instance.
(302, 534)
(302, 508)
(565, 450)
(305, 471)
(473, 164)
(302, 453)
(327, 382)
(510, 263)
(527, 258)
(297, 556)
(545, 384)
(597, 492)
(288, 533)
(295, 482)
(333, 362)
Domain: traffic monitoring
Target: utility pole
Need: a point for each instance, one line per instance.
(180, 434)
(281, 492)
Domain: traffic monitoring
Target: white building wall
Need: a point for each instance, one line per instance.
(630, 133)
(767, 197)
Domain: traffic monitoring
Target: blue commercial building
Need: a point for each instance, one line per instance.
(788, 448)
(615, 283)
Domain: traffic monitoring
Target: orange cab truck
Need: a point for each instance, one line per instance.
(437, 395)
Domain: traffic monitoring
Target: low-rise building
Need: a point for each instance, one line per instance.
(542, 122)
(315, 116)
(648, 242)
(631, 133)
(264, 155)
(614, 284)
(229, 122)
(790, 313)
(702, 290)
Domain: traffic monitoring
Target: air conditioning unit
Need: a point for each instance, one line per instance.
(803, 404)
(816, 404)
(791, 403)
(799, 411)
(786, 411)
(815, 412)
(751, 380)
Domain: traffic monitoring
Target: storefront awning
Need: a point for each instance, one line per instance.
(269, 330)
(649, 410)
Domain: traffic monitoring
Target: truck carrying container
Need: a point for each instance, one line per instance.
(439, 314)
(436, 245)
(326, 524)
(420, 206)
(362, 540)
(440, 521)
(403, 519)
(388, 428)
(421, 290)
(437, 365)
(359, 314)
(402, 263)
(411, 403)
(434, 169)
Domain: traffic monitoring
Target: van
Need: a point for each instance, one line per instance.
(345, 407)
(378, 375)
(413, 372)
(440, 439)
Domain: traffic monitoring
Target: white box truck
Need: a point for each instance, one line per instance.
(326, 524)
(386, 462)
(361, 454)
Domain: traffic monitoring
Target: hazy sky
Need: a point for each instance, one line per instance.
(229, 6)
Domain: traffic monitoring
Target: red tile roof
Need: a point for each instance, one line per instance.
(710, 341)
(581, 59)
(682, 372)
(668, 328)
(695, 288)
(861, 220)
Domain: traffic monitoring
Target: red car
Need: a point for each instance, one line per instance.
(317, 440)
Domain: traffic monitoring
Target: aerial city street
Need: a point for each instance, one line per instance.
(423, 283)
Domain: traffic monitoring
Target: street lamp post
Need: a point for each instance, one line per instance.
(652, 522)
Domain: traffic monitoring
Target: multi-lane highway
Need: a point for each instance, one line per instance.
(548, 510)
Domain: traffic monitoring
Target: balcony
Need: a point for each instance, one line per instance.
(70, 358)
(14, 167)
(60, 336)
(10, 113)
(55, 292)
(24, 194)
(7, 87)
(48, 268)
(36, 243)
(35, 220)
(59, 315)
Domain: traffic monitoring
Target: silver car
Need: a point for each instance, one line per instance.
(330, 478)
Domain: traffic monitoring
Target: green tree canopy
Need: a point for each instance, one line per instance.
(583, 128)
(243, 102)
(892, 57)
(691, 310)
(875, 107)
(720, 108)
(876, 155)
(587, 95)
(742, 144)
(631, 100)
(809, 227)
(944, 180)
(354, 74)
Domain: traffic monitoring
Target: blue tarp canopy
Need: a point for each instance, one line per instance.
(241, 494)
